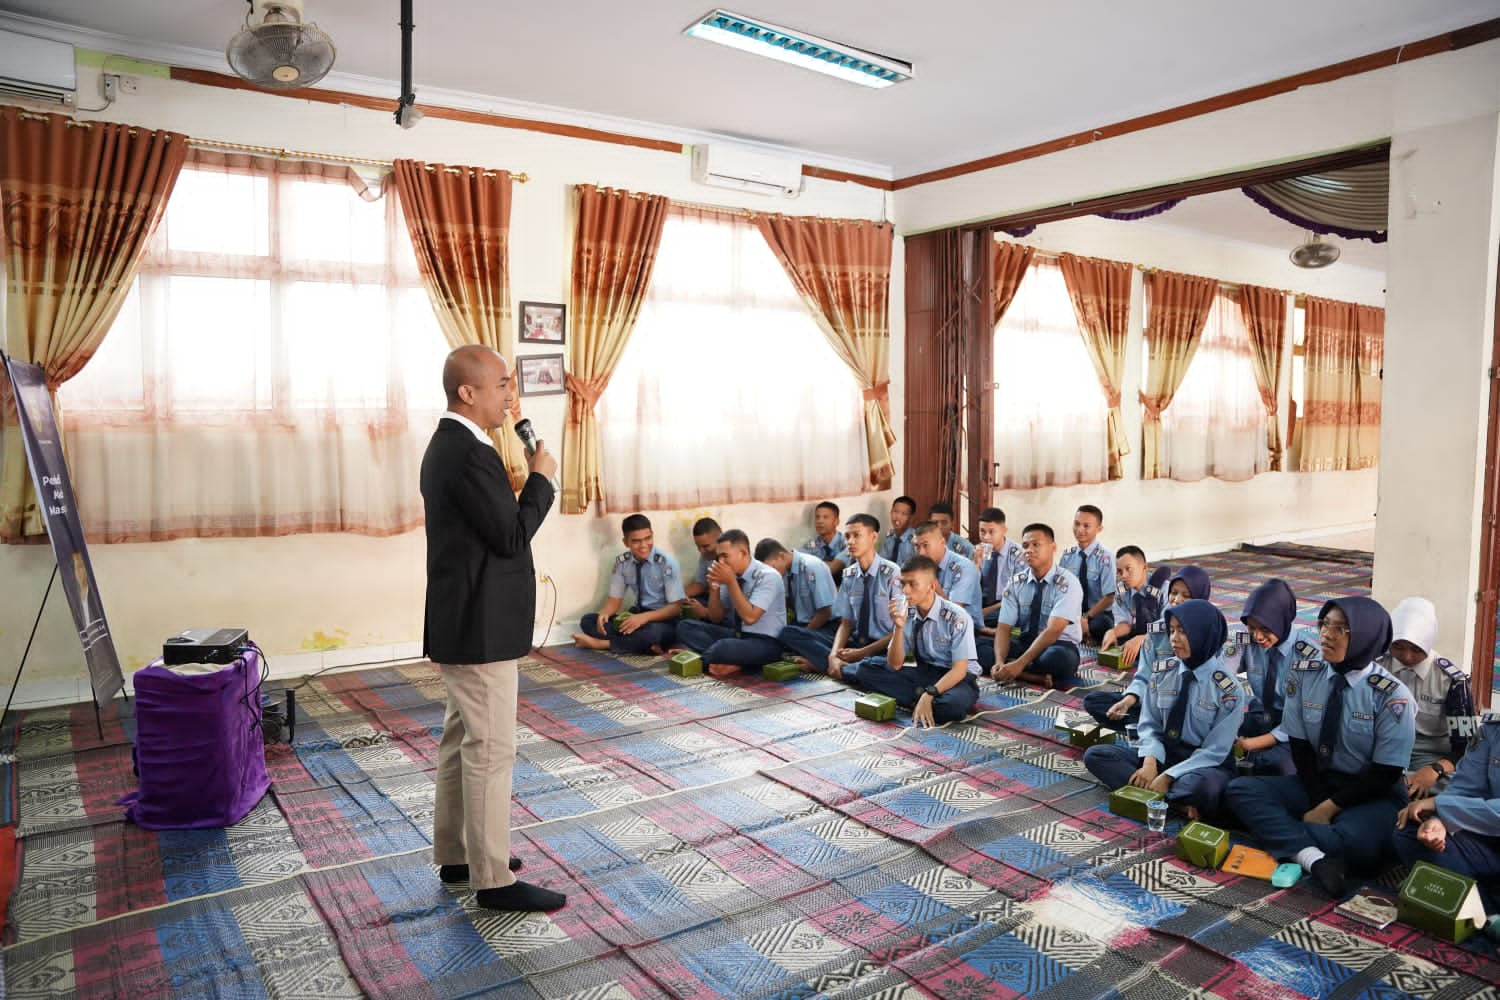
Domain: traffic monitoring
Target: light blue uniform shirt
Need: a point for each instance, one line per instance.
(1061, 598)
(1004, 563)
(704, 562)
(1156, 648)
(1095, 560)
(960, 581)
(885, 585)
(1243, 655)
(958, 543)
(1471, 801)
(899, 548)
(1127, 601)
(765, 589)
(838, 548)
(1378, 726)
(943, 636)
(810, 585)
(660, 580)
(1213, 716)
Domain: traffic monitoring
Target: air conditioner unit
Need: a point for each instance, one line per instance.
(36, 69)
(724, 166)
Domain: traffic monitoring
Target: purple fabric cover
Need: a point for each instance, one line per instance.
(198, 746)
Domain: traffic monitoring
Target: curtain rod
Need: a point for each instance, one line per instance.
(299, 154)
(1297, 297)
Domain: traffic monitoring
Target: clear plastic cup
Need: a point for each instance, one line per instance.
(900, 602)
(985, 551)
(1156, 815)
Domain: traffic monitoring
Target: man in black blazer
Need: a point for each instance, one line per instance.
(481, 602)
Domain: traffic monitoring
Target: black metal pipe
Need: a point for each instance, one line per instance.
(408, 96)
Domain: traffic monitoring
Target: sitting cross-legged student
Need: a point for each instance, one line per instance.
(1123, 708)
(1459, 828)
(706, 533)
(957, 577)
(999, 559)
(1138, 603)
(746, 611)
(1351, 729)
(942, 513)
(1444, 700)
(656, 581)
(862, 607)
(828, 544)
(1094, 565)
(1044, 601)
(900, 542)
(1189, 719)
(943, 684)
(1265, 650)
(809, 586)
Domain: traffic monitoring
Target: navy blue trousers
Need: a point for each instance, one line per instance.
(1098, 703)
(813, 645)
(659, 634)
(1203, 789)
(1466, 853)
(1059, 660)
(1272, 808)
(717, 644)
(873, 673)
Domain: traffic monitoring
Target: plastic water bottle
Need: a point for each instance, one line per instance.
(1156, 815)
(1132, 736)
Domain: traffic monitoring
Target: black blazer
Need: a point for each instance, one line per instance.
(481, 586)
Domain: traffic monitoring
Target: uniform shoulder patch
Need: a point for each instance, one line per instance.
(1308, 663)
(623, 559)
(1152, 592)
(1121, 589)
(1240, 636)
(1060, 582)
(951, 615)
(1071, 550)
(1305, 648)
(1454, 671)
(1229, 688)
(1166, 663)
(1157, 627)
(1021, 576)
(1382, 683)
(885, 569)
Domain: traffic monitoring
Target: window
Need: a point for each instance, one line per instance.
(1216, 422)
(1051, 419)
(728, 389)
(274, 369)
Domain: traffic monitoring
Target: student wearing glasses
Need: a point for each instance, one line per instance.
(1265, 651)
(1350, 726)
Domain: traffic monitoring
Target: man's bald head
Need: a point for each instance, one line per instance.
(477, 382)
(470, 364)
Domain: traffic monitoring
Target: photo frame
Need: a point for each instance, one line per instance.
(542, 323)
(541, 374)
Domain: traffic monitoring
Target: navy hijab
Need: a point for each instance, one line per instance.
(1196, 580)
(1273, 605)
(1205, 628)
(1369, 631)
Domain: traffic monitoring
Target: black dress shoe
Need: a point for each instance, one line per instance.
(520, 897)
(1333, 875)
(460, 873)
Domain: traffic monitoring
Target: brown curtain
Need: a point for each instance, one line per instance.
(1177, 310)
(459, 221)
(1011, 262)
(842, 270)
(1100, 291)
(1345, 352)
(79, 202)
(1264, 311)
(614, 251)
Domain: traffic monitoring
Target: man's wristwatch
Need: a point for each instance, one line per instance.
(1437, 769)
(931, 689)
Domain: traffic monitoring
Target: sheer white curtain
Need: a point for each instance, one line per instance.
(1216, 423)
(728, 390)
(1051, 418)
(276, 369)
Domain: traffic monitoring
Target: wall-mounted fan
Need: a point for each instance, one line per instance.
(276, 50)
(1315, 253)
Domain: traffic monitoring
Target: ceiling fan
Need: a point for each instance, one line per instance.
(275, 50)
(1315, 253)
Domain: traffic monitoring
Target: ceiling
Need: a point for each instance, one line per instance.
(990, 76)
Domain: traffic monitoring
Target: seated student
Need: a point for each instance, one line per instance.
(1138, 603)
(809, 586)
(1444, 702)
(942, 513)
(1459, 828)
(1192, 712)
(1043, 600)
(1265, 650)
(1351, 729)
(957, 577)
(828, 544)
(655, 580)
(862, 605)
(746, 611)
(1094, 565)
(943, 684)
(706, 533)
(1123, 708)
(1001, 562)
(899, 543)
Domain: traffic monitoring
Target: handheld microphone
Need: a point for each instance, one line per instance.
(527, 435)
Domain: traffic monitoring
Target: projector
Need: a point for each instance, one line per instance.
(204, 645)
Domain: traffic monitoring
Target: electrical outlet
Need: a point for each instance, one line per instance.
(109, 86)
(130, 84)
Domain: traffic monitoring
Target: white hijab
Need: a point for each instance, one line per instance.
(1415, 620)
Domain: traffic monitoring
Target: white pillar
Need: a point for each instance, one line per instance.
(1440, 313)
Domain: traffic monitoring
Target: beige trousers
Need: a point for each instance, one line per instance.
(471, 817)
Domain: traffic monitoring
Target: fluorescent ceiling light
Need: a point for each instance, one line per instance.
(869, 69)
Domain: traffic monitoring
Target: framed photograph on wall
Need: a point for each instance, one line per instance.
(541, 374)
(542, 322)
